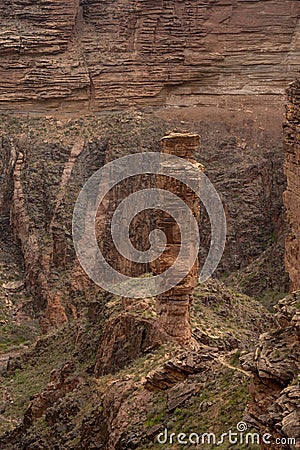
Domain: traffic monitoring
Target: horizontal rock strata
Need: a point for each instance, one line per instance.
(113, 54)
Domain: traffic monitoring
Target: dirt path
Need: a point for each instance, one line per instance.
(4, 357)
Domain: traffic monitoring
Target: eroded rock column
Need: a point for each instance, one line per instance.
(292, 193)
(173, 306)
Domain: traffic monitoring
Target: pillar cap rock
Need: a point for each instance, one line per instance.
(181, 134)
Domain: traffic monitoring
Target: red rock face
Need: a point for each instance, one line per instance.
(292, 193)
(115, 53)
(34, 45)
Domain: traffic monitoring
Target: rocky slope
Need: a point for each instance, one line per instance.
(275, 387)
(59, 397)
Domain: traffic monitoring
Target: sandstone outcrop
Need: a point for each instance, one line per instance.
(36, 204)
(126, 337)
(292, 193)
(62, 381)
(178, 369)
(275, 388)
(227, 62)
(111, 54)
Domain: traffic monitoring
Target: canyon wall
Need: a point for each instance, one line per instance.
(111, 53)
(292, 193)
(275, 365)
(243, 164)
(227, 62)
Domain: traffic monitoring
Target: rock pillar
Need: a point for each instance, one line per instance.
(173, 306)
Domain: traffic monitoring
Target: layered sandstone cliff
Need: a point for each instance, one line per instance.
(115, 53)
(292, 194)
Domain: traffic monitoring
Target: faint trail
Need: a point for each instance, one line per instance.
(4, 357)
(224, 363)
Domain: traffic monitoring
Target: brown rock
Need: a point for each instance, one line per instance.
(287, 309)
(178, 369)
(115, 54)
(61, 382)
(40, 254)
(55, 315)
(180, 393)
(126, 337)
(275, 389)
(292, 193)
(173, 306)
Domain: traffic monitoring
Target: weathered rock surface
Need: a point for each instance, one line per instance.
(144, 387)
(126, 337)
(38, 252)
(113, 53)
(292, 193)
(230, 58)
(177, 370)
(216, 65)
(275, 388)
(36, 195)
(62, 382)
(173, 306)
